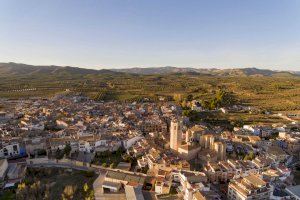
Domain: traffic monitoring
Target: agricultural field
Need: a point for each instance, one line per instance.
(273, 92)
(53, 183)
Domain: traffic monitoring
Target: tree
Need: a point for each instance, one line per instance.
(59, 154)
(247, 157)
(184, 104)
(85, 187)
(67, 149)
(190, 97)
(240, 123)
(177, 97)
(251, 155)
(219, 96)
(68, 192)
(90, 195)
(186, 113)
(112, 165)
(89, 173)
(120, 150)
(42, 152)
(145, 170)
(213, 104)
(21, 192)
(205, 104)
(127, 158)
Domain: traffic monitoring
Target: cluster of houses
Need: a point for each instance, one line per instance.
(39, 127)
(172, 155)
(250, 161)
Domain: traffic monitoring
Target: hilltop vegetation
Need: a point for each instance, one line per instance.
(262, 88)
(204, 71)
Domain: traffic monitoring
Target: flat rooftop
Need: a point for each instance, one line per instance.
(108, 184)
(255, 180)
(294, 190)
(126, 177)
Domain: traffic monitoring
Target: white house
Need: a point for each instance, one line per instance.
(127, 143)
(10, 150)
(61, 124)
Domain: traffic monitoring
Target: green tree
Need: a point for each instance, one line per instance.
(59, 154)
(22, 192)
(205, 104)
(213, 104)
(85, 187)
(177, 98)
(67, 149)
(68, 192)
(112, 165)
(251, 155)
(247, 157)
(190, 97)
(90, 195)
(184, 104)
(186, 113)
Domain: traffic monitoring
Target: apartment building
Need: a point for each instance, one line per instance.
(249, 187)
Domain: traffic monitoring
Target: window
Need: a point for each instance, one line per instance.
(5, 152)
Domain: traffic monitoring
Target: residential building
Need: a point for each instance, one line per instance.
(249, 187)
(10, 149)
(294, 191)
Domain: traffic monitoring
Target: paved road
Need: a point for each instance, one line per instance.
(60, 165)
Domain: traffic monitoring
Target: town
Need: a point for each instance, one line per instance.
(142, 150)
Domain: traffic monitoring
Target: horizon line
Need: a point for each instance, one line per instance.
(145, 67)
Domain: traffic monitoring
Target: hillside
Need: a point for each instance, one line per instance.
(212, 71)
(272, 90)
(14, 69)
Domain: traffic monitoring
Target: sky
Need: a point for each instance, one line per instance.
(152, 33)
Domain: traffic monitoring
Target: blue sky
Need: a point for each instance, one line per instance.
(152, 33)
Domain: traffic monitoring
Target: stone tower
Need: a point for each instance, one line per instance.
(175, 134)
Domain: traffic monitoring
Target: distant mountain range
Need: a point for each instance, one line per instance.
(208, 71)
(11, 69)
(15, 69)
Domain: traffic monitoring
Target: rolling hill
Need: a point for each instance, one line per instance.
(273, 90)
(207, 71)
(16, 69)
